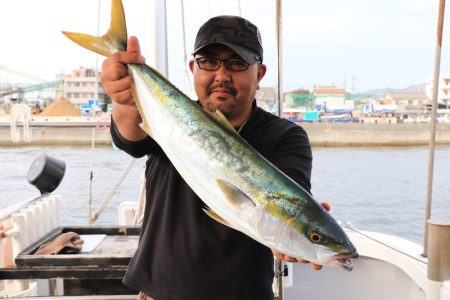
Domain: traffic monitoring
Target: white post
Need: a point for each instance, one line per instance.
(30, 232)
(158, 37)
(38, 220)
(439, 250)
(54, 211)
(46, 215)
(57, 200)
(19, 221)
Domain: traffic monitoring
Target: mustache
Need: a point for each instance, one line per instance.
(221, 85)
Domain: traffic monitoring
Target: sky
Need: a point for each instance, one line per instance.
(359, 45)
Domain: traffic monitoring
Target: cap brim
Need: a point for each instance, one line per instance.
(247, 55)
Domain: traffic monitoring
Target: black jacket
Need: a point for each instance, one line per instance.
(183, 253)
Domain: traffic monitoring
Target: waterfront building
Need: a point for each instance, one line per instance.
(299, 105)
(444, 90)
(408, 102)
(364, 103)
(301, 99)
(333, 99)
(265, 97)
(80, 86)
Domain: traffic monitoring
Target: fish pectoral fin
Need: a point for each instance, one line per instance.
(234, 194)
(216, 217)
(221, 119)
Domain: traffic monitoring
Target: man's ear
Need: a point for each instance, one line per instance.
(191, 65)
(261, 72)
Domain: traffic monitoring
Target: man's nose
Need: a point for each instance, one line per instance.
(222, 73)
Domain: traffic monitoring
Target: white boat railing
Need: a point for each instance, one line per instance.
(19, 229)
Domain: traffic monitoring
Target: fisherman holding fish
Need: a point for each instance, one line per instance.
(183, 253)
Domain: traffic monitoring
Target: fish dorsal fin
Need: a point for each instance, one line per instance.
(216, 217)
(221, 119)
(234, 194)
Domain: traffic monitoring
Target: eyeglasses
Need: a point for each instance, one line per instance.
(213, 64)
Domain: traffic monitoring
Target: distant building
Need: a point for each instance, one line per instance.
(299, 105)
(361, 103)
(79, 86)
(444, 90)
(265, 97)
(301, 99)
(407, 102)
(334, 99)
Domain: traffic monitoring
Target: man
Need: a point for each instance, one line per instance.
(183, 253)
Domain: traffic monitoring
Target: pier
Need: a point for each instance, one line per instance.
(81, 133)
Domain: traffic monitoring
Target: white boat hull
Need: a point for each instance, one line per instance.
(389, 267)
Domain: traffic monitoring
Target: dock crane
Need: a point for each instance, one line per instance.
(31, 88)
(22, 74)
(40, 85)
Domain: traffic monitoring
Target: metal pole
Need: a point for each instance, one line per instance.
(278, 63)
(158, 37)
(185, 56)
(91, 177)
(111, 192)
(96, 58)
(434, 104)
(279, 278)
(279, 101)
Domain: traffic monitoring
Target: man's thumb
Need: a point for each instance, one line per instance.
(133, 45)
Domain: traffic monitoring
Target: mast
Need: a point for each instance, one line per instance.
(96, 56)
(158, 37)
(96, 82)
(278, 62)
(279, 102)
(432, 143)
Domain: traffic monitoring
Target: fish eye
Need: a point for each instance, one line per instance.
(315, 237)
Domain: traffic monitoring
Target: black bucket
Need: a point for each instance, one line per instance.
(46, 173)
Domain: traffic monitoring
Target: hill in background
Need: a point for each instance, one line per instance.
(417, 88)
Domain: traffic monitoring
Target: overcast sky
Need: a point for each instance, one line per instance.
(357, 44)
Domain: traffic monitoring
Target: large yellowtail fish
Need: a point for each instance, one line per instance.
(242, 189)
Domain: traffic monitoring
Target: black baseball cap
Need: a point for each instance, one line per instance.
(237, 33)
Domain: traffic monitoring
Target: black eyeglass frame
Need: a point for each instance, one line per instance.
(222, 61)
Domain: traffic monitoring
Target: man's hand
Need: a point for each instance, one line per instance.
(117, 84)
(66, 241)
(285, 257)
(115, 78)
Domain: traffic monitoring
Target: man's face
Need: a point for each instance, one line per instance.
(232, 92)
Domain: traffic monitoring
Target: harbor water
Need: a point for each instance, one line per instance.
(381, 188)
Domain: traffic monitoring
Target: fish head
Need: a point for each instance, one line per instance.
(328, 242)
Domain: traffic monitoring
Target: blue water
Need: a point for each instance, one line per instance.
(380, 189)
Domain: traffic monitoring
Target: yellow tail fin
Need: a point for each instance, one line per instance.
(114, 40)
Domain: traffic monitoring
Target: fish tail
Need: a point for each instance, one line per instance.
(114, 40)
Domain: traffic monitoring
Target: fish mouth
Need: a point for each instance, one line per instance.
(346, 263)
(344, 260)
